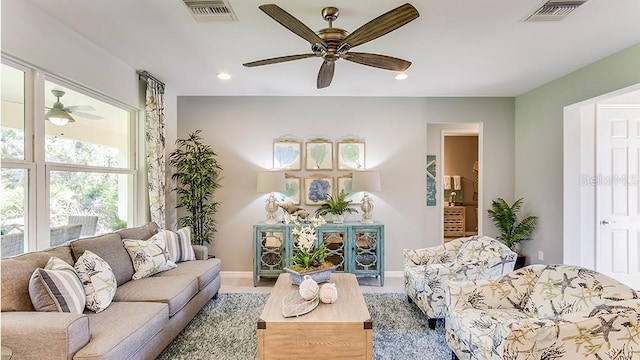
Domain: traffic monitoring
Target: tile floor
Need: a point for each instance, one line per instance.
(233, 283)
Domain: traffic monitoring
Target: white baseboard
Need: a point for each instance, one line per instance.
(249, 274)
(237, 274)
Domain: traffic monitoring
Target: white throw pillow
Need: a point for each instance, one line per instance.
(179, 244)
(57, 288)
(149, 256)
(98, 280)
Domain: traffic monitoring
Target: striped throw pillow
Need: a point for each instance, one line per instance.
(179, 244)
(57, 288)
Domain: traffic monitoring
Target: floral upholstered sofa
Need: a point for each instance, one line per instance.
(427, 270)
(544, 312)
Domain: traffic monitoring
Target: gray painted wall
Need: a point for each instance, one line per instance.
(539, 147)
(242, 129)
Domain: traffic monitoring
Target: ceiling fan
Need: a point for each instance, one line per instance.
(334, 43)
(60, 115)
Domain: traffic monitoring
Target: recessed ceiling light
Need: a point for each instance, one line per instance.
(401, 76)
(224, 76)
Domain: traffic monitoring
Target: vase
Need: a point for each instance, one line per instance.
(338, 219)
(319, 275)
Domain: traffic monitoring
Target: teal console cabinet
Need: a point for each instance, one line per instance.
(353, 247)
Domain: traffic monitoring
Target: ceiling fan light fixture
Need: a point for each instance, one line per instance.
(401, 76)
(58, 117)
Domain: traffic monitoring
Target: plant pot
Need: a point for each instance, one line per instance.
(338, 219)
(319, 275)
(520, 260)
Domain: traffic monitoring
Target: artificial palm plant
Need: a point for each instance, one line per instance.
(197, 175)
(336, 204)
(505, 217)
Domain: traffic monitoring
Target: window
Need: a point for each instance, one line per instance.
(83, 153)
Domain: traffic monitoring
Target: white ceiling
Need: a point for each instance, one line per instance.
(458, 47)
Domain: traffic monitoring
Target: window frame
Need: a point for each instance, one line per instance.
(39, 170)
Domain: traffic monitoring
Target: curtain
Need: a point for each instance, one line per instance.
(155, 147)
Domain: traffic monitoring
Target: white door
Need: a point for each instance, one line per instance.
(617, 195)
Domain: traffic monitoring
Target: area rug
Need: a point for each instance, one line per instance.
(225, 329)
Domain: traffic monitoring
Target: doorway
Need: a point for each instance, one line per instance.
(592, 237)
(460, 178)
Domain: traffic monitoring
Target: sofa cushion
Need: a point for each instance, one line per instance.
(139, 233)
(97, 279)
(57, 288)
(204, 270)
(149, 256)
(176, 291)
(122, 330)
(108, 247)
(17, 271)
(179, 244)
(562, 289)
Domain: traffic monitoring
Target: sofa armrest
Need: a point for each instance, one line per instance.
(40, 335)
(201, 251)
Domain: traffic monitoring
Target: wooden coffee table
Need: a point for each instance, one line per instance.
(341, 330)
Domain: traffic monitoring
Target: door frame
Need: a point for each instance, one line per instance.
(579, 176)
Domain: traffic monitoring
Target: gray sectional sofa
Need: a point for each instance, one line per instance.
(144, 317)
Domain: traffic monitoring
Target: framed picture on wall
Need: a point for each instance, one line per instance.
(344, 184)
(351, 155)
(319, 154)
(317, 188)
(292, 186)
(287, 154)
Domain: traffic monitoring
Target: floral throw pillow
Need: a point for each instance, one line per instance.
(57, 288)
(179, 244)
(98, 281)
(149, 256)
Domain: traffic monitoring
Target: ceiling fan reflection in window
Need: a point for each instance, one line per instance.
(332, 43)
(60, 115)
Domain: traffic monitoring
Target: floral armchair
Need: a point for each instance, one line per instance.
(544, 312)
(427, 270)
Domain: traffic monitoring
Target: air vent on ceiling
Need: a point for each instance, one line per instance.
(210, 10)
(555, 10)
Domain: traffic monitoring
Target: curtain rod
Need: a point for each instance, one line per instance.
(144, 75)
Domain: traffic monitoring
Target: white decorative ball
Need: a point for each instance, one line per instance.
(328, 293)
(308, 288)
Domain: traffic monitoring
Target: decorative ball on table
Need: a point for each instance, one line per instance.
(328, 293)
(309, 288)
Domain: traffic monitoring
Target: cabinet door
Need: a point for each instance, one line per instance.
(270, 249)
(367, 258)
(334, 240)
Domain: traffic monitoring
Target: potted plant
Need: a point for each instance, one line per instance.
(308, 258)
(336, 205)
(197, 175)
(512, 232)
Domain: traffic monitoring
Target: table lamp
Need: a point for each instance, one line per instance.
(271, 182)
(366, 181)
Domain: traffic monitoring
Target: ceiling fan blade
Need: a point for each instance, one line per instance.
(325, 75)
(296, 26)
(381, 25)
(378, 61)
(278, 60)
(86, 115)
(80, 108)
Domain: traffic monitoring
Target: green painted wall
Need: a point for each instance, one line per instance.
(539, 147)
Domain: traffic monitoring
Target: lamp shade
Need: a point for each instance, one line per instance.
(365, 181)
(271, 181)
